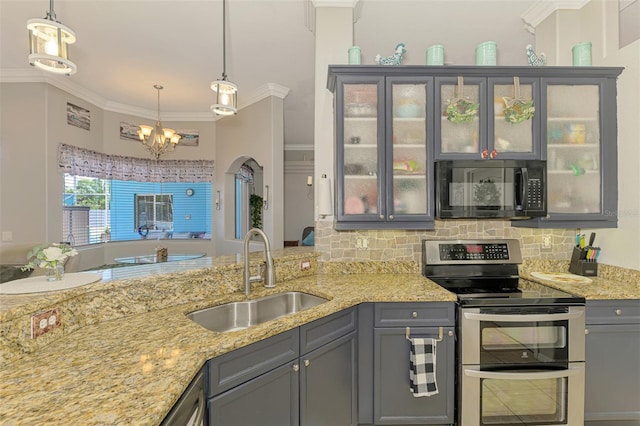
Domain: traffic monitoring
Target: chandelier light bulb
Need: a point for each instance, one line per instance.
(51, 47)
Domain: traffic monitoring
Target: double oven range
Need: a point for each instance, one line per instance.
(521, 345)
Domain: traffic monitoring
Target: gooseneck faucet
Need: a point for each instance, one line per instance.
(269, 273)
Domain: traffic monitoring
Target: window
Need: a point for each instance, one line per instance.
(100, 210)
(109, 197)
(154, 212)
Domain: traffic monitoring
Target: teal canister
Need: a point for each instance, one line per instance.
(435, 55)
(486, 53)
(582, 54)
(354, 55)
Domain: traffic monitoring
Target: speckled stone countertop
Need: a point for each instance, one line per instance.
(126, 351)
(131, 369)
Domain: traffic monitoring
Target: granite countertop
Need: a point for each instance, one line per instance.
(132, 370)
(126, 350)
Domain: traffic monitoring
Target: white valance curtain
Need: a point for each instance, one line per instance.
(84, 162)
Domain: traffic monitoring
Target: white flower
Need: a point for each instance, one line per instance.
(50, 256)
(54, 253)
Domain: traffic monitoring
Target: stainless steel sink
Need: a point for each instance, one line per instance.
(239, 315)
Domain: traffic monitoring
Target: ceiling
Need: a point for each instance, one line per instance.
(124, 47)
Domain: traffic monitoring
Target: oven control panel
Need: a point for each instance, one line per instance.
(474, 252)
(471, 251)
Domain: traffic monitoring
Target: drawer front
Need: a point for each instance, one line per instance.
(236, 367)
(613, 312)
(325, 330)
(412, 314)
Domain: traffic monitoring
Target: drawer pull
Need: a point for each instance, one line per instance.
(307, 362)
(618, 312)
(296, 367)
(414, 314)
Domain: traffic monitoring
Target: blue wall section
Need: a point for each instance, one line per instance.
(191, 215)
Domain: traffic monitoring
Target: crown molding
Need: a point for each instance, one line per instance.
(542, 9)
(33, 75)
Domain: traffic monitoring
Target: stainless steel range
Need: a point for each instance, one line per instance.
(521, 346)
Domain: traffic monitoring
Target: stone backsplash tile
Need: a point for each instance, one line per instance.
(400, 245)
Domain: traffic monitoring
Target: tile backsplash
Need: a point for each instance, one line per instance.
(400, 245)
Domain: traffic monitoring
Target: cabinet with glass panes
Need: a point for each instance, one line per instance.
(384, 171)
(393, 123)
(487, 118)
(580, 145)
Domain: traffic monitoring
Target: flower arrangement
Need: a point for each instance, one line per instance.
(518, 110)
(49, 257)
(461, 110)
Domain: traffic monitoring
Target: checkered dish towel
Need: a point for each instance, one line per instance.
(422, 367)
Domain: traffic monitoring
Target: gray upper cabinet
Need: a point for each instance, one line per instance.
(487, 118)
(384, 165)
(392, 123)
(579, 124)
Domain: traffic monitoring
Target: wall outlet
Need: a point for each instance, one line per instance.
(362, 243)
(305, 264)
(7, 236)
(546, 242)
(44, 322)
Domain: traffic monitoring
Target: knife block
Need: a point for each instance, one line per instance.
(580, 265)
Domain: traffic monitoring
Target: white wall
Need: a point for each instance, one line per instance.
(597, 22)
(299, 198)
(34, 122)
(258, 133)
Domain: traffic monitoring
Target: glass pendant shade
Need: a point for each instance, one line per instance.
(226, 97)
(49, 46)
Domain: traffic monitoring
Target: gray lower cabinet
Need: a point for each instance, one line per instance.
(305, 376)
(385, 396)
(612, 381)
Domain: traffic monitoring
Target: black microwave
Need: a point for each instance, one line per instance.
(485, 189)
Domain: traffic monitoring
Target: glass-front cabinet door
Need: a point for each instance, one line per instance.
(359, 129)
(408, 165)
(574, 147)
(461, 130)
(514, 118)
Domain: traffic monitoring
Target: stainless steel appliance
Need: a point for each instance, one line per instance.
(190, 408)
(521, 347)
(491, 189)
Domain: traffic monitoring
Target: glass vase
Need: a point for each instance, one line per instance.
(54, 272)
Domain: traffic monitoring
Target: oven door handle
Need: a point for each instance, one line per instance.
(522, 318)
(554, 374)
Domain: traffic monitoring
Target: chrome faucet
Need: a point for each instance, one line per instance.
(269, 273)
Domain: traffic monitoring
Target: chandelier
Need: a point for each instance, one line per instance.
(49, 42)
(158, 140)
(226, 102)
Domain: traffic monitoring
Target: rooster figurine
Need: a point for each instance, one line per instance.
(394, 59)
(534, 59)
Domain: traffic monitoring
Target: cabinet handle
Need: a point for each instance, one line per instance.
(618, 312)
(485, 154)
(450, 333)
(494, 153)
(586, 331)
(296, 367)
(414, 314)
(381, 217)
(307, 362)
(390, 217)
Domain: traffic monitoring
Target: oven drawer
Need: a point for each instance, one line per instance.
(521, 396)
(425, 314)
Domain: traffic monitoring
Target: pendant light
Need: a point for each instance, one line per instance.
(226, 93)
(158, 140)
(49, 42)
